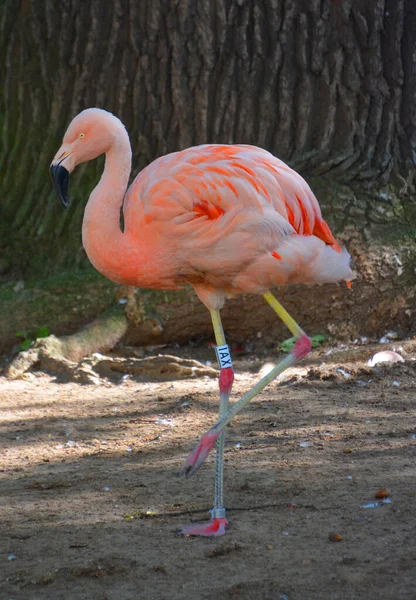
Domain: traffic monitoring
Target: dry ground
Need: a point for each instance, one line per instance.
(91, 502)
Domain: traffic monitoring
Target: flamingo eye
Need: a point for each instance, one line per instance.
(81, 135)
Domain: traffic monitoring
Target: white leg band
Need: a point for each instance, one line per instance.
(224, 356)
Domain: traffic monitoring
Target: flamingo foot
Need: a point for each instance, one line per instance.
(197, 456)
(213, 528)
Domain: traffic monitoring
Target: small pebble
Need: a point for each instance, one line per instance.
(347, 451)
(385, 356)
(344, 373)
(370, 505)
(335, 537)
(383, 493)
(168, 422)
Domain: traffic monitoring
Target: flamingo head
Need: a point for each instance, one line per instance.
(91, 133)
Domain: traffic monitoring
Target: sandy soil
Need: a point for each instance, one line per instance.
(91, 502)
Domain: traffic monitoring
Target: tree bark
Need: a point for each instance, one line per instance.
(327, 85)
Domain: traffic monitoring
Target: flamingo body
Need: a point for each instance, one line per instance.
(226, 219)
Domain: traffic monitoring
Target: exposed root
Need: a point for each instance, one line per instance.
(153, 368)
(79, 357)
(61, 355)
(47, 354)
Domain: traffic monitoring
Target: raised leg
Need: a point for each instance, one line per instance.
(218, 522)
(301, 349)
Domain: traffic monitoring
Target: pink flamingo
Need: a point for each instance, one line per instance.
(225, 219)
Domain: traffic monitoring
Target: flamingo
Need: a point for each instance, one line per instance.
(227, 219)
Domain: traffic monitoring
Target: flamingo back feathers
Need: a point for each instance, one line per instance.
(225, 214)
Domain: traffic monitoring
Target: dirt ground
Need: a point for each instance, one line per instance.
(91, 500)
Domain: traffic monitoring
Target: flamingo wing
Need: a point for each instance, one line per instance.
(220, 209)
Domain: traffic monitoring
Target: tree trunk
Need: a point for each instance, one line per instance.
(327, 85)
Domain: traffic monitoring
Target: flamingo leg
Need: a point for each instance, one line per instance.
(300, 349)
(218, 521)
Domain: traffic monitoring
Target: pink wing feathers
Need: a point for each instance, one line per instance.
(234, 217)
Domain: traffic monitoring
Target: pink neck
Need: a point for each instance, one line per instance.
(102, 237)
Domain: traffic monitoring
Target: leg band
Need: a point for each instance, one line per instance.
(224, 356)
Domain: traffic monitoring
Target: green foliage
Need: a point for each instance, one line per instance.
(26, 338)
(288, 344)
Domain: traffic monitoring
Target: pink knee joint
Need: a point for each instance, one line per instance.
(302, 347)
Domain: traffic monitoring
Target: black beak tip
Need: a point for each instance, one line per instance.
(60, 178)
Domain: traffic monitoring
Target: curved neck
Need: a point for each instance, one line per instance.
(101, 234)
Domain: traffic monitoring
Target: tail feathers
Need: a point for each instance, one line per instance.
(331, 266)
(298, 259)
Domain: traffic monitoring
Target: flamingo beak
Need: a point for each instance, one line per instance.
(60, 178)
